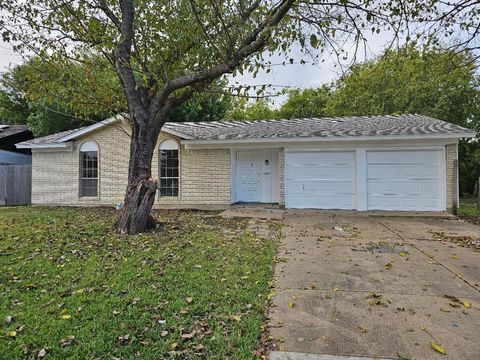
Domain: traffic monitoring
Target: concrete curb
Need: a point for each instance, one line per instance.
(282, 355)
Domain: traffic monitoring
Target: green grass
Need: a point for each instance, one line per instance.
(468, 207)
(201, 276)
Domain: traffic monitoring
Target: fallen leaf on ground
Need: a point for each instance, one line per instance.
(291, 303)
(235, 318)
(467, 304)
(189, 299)
(67, 342)
(66, 317)
(437, 348)
(124, 338)
(42, 353)
(388, 266)
(188, 336)
(455, 257)
(362, 329)
(12, 333)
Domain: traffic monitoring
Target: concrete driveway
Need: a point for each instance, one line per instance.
(353, 285)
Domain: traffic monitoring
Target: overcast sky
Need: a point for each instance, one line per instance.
(294, 76)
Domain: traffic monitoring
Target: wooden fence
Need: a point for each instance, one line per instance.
(15, 184)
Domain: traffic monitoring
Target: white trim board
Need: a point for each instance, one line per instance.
(331, 139)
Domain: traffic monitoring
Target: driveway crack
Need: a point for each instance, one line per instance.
(393, 231)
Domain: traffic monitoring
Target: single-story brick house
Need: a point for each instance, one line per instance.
(402, 162)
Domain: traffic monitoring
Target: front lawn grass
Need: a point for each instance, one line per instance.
(468, 207)
(196, 288)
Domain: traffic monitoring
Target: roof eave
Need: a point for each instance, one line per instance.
(90, 128)
(469, 134)
(177, 133)
(61, 145)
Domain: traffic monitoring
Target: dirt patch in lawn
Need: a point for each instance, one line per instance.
(471, 219)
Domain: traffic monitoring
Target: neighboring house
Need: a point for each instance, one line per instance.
(9, 136)
(404, 162)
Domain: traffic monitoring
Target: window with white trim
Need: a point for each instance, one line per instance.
(88, 169)
(168, 166)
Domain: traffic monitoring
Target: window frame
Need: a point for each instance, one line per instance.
(169, 145)
(81, 188)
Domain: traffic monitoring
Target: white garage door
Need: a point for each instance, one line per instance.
(405, 180)
(319, 179)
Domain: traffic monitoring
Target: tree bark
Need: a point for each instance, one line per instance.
(141, 188)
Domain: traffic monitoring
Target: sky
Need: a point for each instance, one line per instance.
(290, 76)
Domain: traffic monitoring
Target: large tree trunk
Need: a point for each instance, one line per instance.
(141, 188)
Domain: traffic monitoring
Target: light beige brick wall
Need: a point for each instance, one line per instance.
(451, 171)
(281, 174)
(54, 177)
(204, 174)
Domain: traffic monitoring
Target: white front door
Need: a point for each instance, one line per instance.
(248, 176)
(257, 176)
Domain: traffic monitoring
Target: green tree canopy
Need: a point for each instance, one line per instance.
(437, 83)
(51, 97)
(306, 103)
(242, 109)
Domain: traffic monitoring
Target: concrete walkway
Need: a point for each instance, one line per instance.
(350, 285)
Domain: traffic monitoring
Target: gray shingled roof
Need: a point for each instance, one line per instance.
(50, 139)
(353, 126)
(9, 130)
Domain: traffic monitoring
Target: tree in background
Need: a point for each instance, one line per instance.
(438, 83)
(242, 109)
(37, 92)
(206, 106)
(305, 103)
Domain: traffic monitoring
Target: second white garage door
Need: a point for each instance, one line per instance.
(320, 179)
(405, 180)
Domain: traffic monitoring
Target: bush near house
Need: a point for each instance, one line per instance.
(197, 287)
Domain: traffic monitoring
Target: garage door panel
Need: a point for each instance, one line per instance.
(322, 158)
(320, 173)
(404, 180)
(320, 201)
(409, 188)
(408, 157)
(322, 180)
